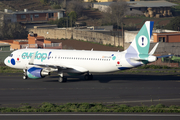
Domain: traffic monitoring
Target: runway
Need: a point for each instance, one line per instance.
(69, 116)
(132, 89)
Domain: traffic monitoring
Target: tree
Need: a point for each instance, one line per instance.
(76, 6)
(72, 17)
(45, 2)
(116, 12)
(174, 24)
(12, 31)
(63, 22)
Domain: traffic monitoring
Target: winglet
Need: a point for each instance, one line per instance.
(31, 62)
(154, 49)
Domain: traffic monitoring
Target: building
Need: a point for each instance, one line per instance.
(169, 37)
(4, 47)
(159, 35)
(33, 41)
(15, 44)
(148, 8)
(36, 16)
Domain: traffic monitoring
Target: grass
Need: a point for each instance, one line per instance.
(6, 69)
(95, 107)
(156, 67)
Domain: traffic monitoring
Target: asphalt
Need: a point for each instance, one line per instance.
(121, 88)
(89, 116)
(126, 88)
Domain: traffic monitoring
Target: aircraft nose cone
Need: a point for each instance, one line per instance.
(6, 61)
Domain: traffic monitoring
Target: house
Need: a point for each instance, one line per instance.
(159, 35)
(33, 41)
(170, 37)
(4, 47)
(35, 16)
(169, 41)
(148, 8)
(15, 44)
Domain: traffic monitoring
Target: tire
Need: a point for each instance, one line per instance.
(86, 77)
(90, 77)
(60, 79)
(64, 79)
(24, 77)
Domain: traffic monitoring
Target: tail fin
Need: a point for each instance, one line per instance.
(141, 42)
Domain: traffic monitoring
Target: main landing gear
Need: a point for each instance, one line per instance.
(88, 76)
(61, 78)
(25, 74)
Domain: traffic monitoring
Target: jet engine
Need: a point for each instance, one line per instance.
(35, 73)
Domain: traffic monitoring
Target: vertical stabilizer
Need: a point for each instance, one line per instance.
(141, 42)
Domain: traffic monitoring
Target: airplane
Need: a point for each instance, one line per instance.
(38, 63)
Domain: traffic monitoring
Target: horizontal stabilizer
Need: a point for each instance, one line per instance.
(147, 59)
(164, 56)
(137, 59)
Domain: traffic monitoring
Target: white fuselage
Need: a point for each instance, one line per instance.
(82, 61)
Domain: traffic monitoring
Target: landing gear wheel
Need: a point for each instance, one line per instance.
(62, 79)
(25, 74)
(24, 77)
(88, 77)
(91, 77)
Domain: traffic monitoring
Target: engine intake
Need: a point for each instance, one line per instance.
(36, 73)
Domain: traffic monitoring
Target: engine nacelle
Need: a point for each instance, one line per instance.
(36, 73)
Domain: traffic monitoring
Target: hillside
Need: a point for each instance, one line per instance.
(90, 16)
(22, 4)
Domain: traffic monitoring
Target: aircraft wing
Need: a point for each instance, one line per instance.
(65, 67)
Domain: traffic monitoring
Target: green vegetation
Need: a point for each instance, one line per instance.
(94, 107)
(65, 21)
(5, 69)
(154, 67)
(45, 2)
(174, 24)
(10, 30)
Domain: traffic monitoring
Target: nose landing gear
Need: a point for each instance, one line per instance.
(25, 74)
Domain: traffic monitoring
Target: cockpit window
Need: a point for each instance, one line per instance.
(11, 55)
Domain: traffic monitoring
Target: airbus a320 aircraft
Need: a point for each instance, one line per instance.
(38, 63)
